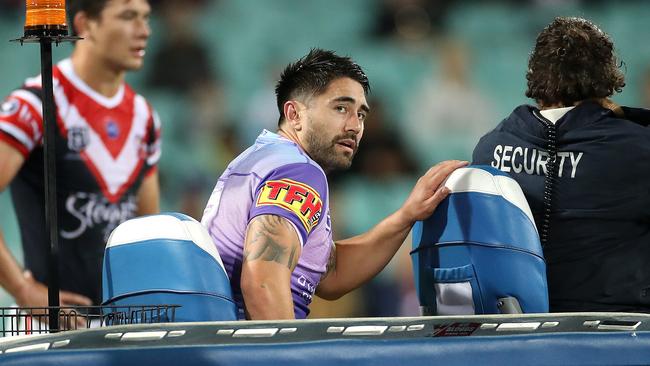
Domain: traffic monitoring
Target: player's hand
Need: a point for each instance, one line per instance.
(429, 191)
(34, 294)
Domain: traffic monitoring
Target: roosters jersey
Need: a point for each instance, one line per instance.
(104, 149)
(274, 176)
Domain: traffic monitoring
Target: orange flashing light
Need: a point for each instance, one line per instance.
(45, 16)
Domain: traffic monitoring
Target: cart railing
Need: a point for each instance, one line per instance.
(16, 321)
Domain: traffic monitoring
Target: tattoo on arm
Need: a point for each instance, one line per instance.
(269, 242)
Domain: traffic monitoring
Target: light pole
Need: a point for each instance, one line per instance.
(45, 23)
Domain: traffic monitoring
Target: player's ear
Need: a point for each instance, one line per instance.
(292, 114)
(83, 24)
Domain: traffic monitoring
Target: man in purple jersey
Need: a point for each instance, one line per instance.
(269, 212)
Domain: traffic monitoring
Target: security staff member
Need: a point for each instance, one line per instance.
(583, 163)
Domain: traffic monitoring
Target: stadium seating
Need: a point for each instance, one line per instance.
(479, 253)
(167, 259)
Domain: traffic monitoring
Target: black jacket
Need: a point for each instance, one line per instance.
(598, 241)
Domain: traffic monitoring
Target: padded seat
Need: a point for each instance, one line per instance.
(480, 253)
(167, 259)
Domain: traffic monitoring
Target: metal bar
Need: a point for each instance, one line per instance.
(49, 164)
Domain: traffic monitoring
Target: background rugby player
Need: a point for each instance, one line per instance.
(108, 144)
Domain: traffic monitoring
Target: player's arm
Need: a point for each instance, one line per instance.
(271, 251)
(148, 195)
(356, 260)
(21, 285)
(11, 275)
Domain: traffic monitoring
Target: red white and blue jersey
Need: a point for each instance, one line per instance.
(104, 149)
(273, 177)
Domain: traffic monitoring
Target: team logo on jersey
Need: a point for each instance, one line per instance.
(112, 129)
(293, 196)
(9, 107)
(78, 138)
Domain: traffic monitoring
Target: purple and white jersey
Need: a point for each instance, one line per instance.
(274, 176)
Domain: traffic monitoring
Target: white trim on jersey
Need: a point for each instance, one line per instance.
(66, 69)
(18, 134)
(153, 158)
(302, 243)
(34, 82)
(29, 98)
(115, 172)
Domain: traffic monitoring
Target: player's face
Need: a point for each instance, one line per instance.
(120, 33)
(334, 125)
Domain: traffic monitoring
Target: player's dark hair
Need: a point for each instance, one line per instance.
(311, 75)
(92, 8)
(573, 60)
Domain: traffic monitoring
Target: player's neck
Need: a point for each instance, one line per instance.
(96, 74)
(291, 135)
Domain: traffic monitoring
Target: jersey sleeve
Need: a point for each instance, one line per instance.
(21, 121)
(297, 192)
(154, 142)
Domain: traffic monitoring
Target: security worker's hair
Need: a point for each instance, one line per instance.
(573, 60)
(311, 75)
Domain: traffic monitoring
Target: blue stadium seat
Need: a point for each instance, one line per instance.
(479, 253)
(167, 259)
